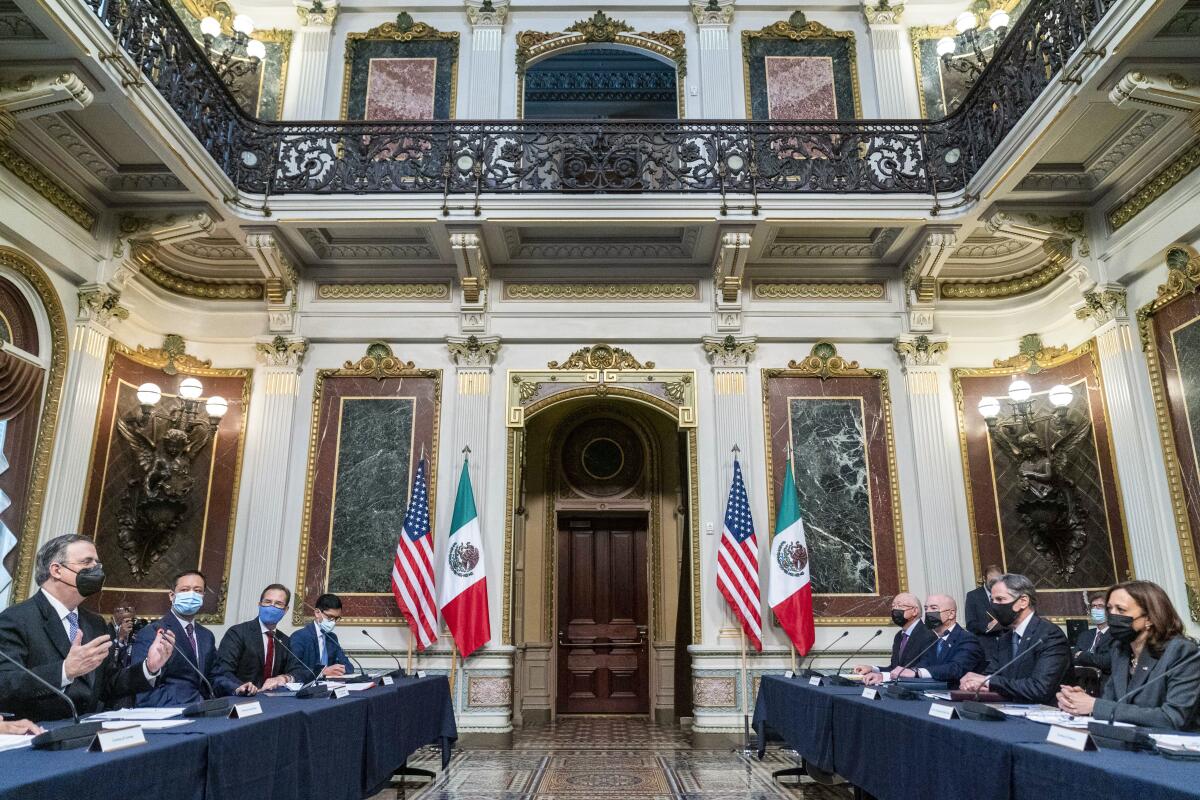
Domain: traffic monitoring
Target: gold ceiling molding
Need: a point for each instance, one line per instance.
(172, 358)
(601, 291)
(798, 28)
(1165, 179)
(379, 363)
(383, 291)
(819, 291)
(1033, 356)
(824, 362)
(1183, 276)
(204, 290)
(52, 191)
(404, 29)
(601, 357)
(991, 290)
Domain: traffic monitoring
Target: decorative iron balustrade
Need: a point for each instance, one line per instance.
(679, 156)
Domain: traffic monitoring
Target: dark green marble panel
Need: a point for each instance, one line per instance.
(374, 456)
(833, 480)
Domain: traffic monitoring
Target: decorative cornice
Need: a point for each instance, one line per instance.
(991, 290)
(824, 362)
(1103, 305)
(884, 13)
(797, 27)
(203, 290)
(473, 351)
(1156, 187)
(729, 351)
(518, 249)
(875, 248)
(819, 291)
(316, 13)
(172, 357)
(600, 28)
(602, 357)
(365, 251)
(1101, 167)
(379, 363)
(1032, 355)
(37, 95)
(713, 12)
(99, 305)
(213, 249)
(383, 291)
(16, 27)
(404, 29)
(47, 187)
(920, 351)
(601, 291)
(282, 352)
(991, 248)
(487, 15)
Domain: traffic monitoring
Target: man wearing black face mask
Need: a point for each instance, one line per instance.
(957, 651)
(1034, 678)
(909, 643)
(65, 645)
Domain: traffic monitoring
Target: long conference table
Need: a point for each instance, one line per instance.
(323, 749)
(893, 750)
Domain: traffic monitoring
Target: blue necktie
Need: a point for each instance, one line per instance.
(939, 648)
(1016, 643)
(73, 625)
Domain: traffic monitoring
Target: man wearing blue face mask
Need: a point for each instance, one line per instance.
(253, 656)
(195, 648)
(317, 645)
(1093, 648)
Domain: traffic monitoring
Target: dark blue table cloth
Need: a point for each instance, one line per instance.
(803, 717)
(1043, 771)
(411, 714)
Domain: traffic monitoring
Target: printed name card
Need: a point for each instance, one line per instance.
(871, 693)
(119, 739)
(420, 673)
(943, 711)
(815, 680)
(387, 680)
(243, 710)
(341, 692)
(789, 674)
(1072, 739)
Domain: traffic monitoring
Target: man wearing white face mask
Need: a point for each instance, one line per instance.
(195, 646)
(316, 644)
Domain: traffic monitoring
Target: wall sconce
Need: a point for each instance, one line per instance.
(964, 53)
(232, 67)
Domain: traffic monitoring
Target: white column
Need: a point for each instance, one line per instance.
(941, 505)
(98, 308)
(487, 25)
(716, 72)
(895, 74)
(273, 430)
(308, 67)
(473, 357)
(1144, 491)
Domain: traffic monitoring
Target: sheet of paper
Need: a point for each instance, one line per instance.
(14, 741)
(937, 695)
(148, 724)
(1017, 709)
(1177, 741)
(358, 687)
(138, 713)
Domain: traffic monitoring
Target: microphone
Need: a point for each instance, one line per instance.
(398, 672)
(212, 707)
(1108, 734)
(899, 692)
(66, 737)
(809, 671)
(310, 688)
(836, 679)
(973, 709)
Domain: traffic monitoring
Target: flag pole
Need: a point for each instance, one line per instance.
(793, 658)
(453, 667)
(408, 663)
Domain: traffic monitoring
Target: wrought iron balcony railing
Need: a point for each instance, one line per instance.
(680, 156)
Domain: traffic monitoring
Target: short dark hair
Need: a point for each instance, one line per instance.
(1020, 586)
(184, 574)
(1100, 595)
(278, 586)
(53, 552)
(328, 601)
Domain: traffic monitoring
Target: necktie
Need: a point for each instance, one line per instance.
(940, 643)
(269, 664)
(1095, 641)
(191, 633)
(1016, 643)
(72, 625)
(321, 647)
(903, 644)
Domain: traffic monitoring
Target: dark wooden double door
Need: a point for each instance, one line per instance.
(603, 641)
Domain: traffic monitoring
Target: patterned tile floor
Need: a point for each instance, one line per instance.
(607, 758)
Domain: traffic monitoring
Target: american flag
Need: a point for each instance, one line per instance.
(737, 560)
(412, 568)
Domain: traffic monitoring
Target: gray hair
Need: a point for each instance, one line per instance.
(54, 552)
(1019, 586)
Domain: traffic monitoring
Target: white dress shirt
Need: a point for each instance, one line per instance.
(62, 612)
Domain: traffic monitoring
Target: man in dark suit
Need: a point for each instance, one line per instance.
(956, 653)
(195, 649)
(253, 656)
(1093, 648)
(316, 645)
(909, 643)
(65, 645)
(1036, 676)
(978, 620)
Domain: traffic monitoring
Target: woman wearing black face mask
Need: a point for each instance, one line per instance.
(1148, 642)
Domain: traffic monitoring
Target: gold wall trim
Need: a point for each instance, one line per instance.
(797, 29)
(383, 291)
(1013, 287)
(404, 29)
(601, 291)
(204, 290)
(52, 191)
(819, 291)
(39, 473)
(1162, 181)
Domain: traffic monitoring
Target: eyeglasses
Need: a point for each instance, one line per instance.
(334, 617)
(85, 563)
(275, 603)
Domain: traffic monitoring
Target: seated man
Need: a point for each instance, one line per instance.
(1093, 648)
(1044, 659)
(66, 645)
(253, 656)
(195, 648)
(908, 647)
(317, 646)
(957, 651)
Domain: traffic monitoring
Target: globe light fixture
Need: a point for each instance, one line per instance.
(946, 46)
(256, 49)
(998, 20)
(148, 394)
(243, 24)
(216, 406)
(190, 388)
(1061, 396)
(209, 26)
(989, 407)
(966, 21)
(1019, 391)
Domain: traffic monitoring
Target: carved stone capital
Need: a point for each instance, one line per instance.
(883, 14)
(713, 12)
(473, 351)
(730, 351)
(921, 350)
(164, 229)
(37, 95)
(1170, 92)
(99, 305)
(1039, 227)
(1103, 305)
(487, 14)
(316, 13)
(282, 352)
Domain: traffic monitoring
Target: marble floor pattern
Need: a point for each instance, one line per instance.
(607, 758)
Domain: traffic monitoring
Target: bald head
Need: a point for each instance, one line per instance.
(944, 607)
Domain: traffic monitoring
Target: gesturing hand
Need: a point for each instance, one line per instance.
(247, 689)
(160, 650)
(333, 671)
(83, 658)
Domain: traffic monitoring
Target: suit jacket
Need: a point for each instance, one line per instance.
(1168, 703)
(1035, 678)
(977, 621)
(241, 656)
(32, 633)
(304, 644)
(1101, 658)
(179, 685)
(920, 638)
(960, 653)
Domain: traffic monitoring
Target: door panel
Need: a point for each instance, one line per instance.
(603, 646)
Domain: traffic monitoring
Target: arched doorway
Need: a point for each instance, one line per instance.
(601, 82)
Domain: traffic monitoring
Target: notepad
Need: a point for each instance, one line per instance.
(147, 724)
(138, 714)
(14, 741)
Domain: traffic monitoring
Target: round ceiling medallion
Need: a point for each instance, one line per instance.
(602, 457)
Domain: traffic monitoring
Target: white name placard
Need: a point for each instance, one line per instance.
(815, 680)
(1072, 739)
(387, 680)
(341, 692)
(420, 673)
(789, 674)
(243, 710)
(109, 741)
(943, 711)
(871, 693)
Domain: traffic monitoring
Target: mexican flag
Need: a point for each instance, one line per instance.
(462, 585)
(789, 591)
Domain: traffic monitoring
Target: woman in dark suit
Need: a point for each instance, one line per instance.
(1148, 641)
